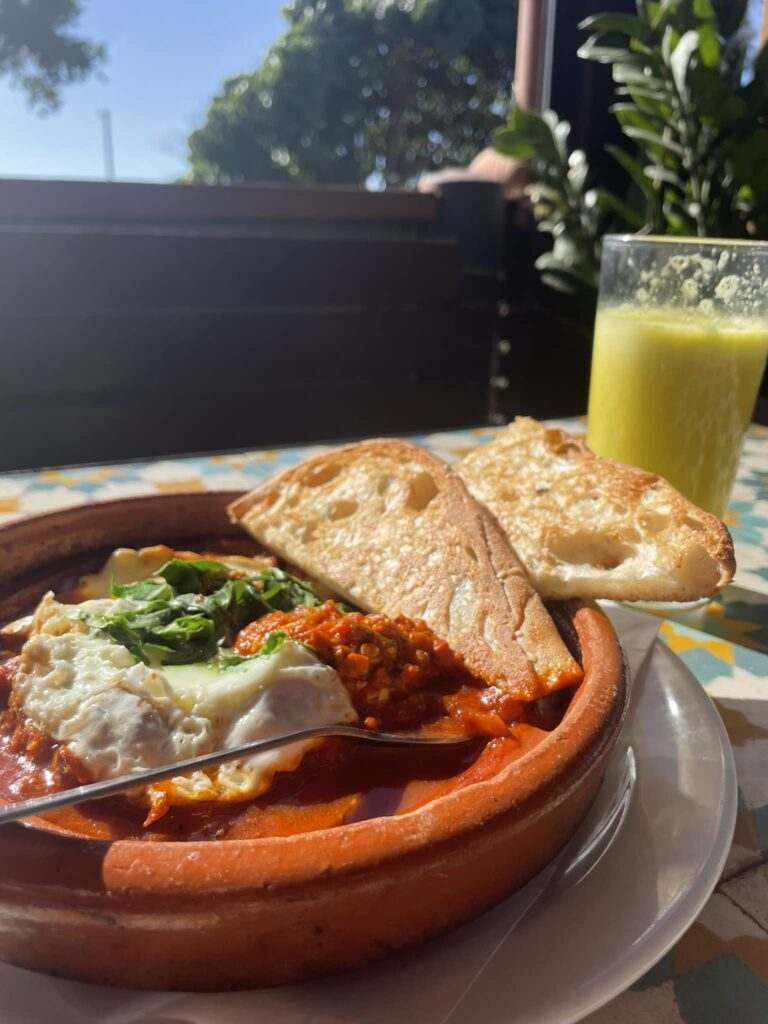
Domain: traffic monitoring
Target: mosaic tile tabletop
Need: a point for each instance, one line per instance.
(718, 971)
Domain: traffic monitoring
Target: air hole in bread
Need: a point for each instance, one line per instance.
(322, 475)
(700, 569)
(591, 549)
(653, 522)
(486, 630)
(462, 607)
(383, 485)
(342, 508)
(305, 532)
(472, 553)
(421, 490)
(694, 524)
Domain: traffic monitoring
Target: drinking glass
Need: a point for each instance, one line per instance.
(680, 346)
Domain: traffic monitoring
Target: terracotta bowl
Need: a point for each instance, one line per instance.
(245, 913)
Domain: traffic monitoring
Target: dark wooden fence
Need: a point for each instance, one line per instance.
(140, 320)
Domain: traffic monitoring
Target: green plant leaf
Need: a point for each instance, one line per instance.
(709, 46)
(601, 48)
(650, 101)
(678, 219)
(730, 111)
(681, 58)
(634, 74)
(541, 191)
(568, 275)
(507, 141)
(632, 167)
(652, 139)
(526, 134)
(710, 92)
(628, 24)
(657, 173)
(662, 11)
(578, 170)
(703, 9)
(669, 41)
(700, 168)
(627, 114)
(750, 164)
(610, 203)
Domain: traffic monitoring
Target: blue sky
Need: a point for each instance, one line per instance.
(166, 59)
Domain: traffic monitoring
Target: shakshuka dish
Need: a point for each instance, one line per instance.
(369, 588)
(164, 655)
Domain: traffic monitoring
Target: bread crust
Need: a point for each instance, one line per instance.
(392, 529)
(592, 528)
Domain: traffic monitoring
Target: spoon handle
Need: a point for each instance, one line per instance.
(110, 787)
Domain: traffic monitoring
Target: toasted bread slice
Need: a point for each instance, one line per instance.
(392, 529)
(587, 527)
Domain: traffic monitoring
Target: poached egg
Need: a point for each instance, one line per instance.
(120, 716)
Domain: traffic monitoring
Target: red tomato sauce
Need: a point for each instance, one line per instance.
(399, 676)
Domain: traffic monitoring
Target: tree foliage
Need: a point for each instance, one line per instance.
(361, 88)
(696, 117)
(39, 51)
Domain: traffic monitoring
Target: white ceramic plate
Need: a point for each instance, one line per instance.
(638, 873)
(586, 942)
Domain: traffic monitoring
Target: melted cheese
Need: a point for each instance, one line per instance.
(119, 716)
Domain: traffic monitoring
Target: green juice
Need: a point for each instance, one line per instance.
(673, 393)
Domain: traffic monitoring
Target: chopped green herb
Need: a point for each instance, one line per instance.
(195, 577)
(145, 590)
(189, 610)
(273, 643)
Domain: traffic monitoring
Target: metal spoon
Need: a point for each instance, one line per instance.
(109, 787)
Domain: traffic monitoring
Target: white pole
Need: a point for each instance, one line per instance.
(107, 145)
